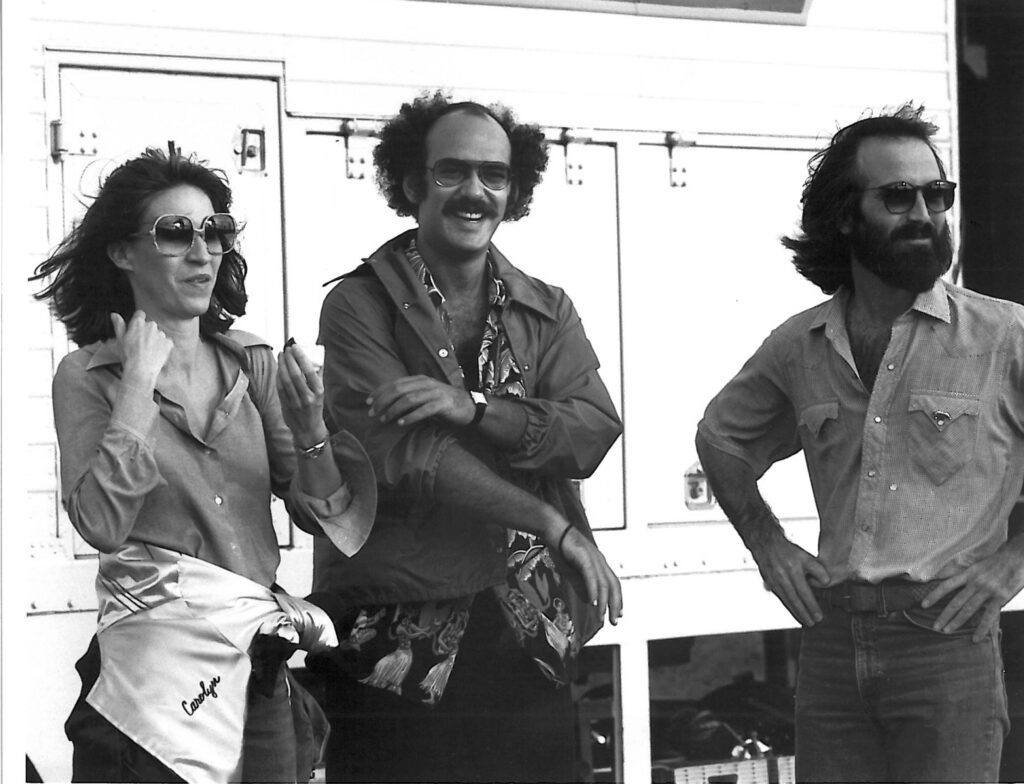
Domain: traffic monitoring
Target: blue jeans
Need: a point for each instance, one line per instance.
(885, 698)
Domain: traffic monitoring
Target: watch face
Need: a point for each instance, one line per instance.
(479, 398)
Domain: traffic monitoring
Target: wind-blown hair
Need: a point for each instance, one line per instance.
(821, 252)
(403, 150)
(87, 287)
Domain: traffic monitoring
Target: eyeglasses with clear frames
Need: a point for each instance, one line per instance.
(174, 235)
(449, 172)
(900, 197)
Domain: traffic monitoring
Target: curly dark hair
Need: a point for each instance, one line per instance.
(821, 252)
(403, 149)
(87, 287)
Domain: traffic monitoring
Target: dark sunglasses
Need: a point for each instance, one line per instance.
(449, 172)
(173, 235)
(900, 197)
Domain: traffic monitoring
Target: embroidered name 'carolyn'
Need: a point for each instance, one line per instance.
(204, 692)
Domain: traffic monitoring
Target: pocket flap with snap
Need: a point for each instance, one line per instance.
(942, 407)
(815, 415)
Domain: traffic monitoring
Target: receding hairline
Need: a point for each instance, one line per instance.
(892, 137)
(468, 109)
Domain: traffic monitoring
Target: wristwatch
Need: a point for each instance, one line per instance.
(480, 400)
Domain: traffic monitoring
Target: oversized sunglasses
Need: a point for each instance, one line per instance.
(173, 235)
(900, 197)
(449, 172)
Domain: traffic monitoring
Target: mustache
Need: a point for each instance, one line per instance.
(914, 231)
(463, 204)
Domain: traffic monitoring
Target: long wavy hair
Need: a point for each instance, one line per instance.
(403, 150)
(86, 286)
(821, 252)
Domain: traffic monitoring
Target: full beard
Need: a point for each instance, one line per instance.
(913, 268)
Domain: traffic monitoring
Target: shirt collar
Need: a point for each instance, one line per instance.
(234, 341)
(934, 302)
(521, 287)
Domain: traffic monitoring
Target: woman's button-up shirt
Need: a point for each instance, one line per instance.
(150, 475)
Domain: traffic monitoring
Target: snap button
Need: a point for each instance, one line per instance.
(940, 417)
(218, 500)
(890, 366)
(872, 473)
(405, 305)
(878, 419)
(442, 352)
(893, 486)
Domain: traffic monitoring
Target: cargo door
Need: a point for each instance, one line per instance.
(570, 239)
(705, 281)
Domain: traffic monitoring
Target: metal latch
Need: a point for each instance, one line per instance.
(697, 489)
(251, 149)
(61, 145)
(676, 171)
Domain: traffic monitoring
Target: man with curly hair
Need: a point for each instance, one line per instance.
(476, 394)
(906, 395)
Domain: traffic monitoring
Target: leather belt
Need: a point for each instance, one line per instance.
(888, 596)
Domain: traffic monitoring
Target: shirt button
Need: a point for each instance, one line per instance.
(218, 500)
(872, 473)
(442, 352)
(893, 486)
(405, 305)
(878, 420)
(890, 366)
(207, 451)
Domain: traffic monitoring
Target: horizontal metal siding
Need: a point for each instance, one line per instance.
(562, 67)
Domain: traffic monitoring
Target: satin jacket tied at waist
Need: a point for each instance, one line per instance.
(174, 634)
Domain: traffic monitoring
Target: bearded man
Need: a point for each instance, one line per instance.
(906, 395)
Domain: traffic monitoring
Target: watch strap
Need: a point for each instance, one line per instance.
(481, 409)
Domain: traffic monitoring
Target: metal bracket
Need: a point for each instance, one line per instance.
(61, 147)
(569, 139)
(357, 162)
(676, 171)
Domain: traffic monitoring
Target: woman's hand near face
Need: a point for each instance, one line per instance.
(145, 349)
(301, 390)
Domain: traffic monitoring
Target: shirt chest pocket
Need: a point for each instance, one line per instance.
(943, 432)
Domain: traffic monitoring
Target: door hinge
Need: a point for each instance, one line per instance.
(676, 143)
(63, 143)
(358, 158)
(570, 140)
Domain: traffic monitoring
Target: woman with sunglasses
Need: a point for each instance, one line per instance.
(173, 435)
